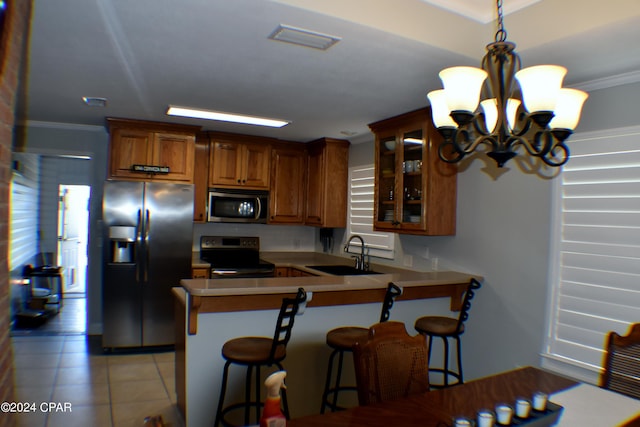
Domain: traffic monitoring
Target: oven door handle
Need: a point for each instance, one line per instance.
(226, 272)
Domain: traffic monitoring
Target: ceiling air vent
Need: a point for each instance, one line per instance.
(307, 38)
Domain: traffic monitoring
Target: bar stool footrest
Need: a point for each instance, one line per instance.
(236, 407)
(449, 374)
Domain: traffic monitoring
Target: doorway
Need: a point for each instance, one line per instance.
(73, 233)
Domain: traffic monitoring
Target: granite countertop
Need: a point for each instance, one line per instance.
(322, 282)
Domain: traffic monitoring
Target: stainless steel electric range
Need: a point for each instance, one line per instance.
(234, 257)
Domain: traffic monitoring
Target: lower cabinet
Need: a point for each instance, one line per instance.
(292, 272)
(199, 273)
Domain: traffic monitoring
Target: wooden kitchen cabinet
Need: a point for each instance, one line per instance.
(327, 180)
(201, 178)
(199, 273)
(287, 192)
(292, 272)
(151, 151)
(237, 164)
(282, 272)
(415, 191)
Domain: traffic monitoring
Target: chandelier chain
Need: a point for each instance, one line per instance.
(501, 34)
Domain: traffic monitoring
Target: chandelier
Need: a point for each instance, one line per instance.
(537, 113)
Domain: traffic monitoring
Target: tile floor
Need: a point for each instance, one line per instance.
(55, 364)
(71, 319)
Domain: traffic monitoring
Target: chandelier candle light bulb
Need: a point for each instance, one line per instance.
(540, 86)
(439, 109)
(568, 109)
(525, 108)
(462, 87)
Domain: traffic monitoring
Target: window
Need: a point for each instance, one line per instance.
(361, 191)
(595, 264)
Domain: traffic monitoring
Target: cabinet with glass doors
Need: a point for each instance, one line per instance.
(415, 191)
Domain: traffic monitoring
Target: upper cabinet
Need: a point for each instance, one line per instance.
(327, 176)
(287, 193)
(239, 164)
(415, 191)
(151, 151)
(201, 178)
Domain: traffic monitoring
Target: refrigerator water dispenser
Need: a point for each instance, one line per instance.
(122, 240)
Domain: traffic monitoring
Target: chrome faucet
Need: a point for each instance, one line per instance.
(361, 263)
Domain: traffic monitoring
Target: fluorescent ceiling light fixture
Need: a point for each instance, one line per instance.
(224, 117)
(301, 37)
(412, 141)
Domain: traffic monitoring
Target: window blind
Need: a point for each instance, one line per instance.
(595, 264)
(361, 192)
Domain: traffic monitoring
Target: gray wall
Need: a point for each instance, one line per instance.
(503, 233)
(54, 140)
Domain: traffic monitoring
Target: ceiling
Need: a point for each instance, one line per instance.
(145, 55)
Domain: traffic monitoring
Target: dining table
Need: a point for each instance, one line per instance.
(439, 408)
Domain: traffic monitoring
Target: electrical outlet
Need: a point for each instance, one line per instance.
(407, 261)
(434, 264)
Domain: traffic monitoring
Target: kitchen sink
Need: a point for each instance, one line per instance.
(340, 270)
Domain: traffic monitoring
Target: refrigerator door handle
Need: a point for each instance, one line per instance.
(138, 246)
(146, 244)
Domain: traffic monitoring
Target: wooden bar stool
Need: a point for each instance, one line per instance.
(342, 340)
(254, 352)
(445, 328)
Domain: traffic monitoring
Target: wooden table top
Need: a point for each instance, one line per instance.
(437, 408)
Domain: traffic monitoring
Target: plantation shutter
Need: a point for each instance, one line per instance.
(361, 192)
(596, 260)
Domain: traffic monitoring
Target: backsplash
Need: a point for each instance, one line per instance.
(272, 237)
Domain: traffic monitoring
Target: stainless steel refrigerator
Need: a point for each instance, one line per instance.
(147, 235)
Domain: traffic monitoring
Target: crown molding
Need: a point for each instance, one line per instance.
(607, 82)
(61, 126)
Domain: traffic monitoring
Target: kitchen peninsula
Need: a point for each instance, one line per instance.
(210, 312)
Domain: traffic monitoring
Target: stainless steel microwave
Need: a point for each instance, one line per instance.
(227, 205)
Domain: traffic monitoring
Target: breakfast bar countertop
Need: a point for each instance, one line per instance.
(322, 282)
(209, 312)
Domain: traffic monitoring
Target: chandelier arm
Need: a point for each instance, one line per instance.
(564, 155)
(469, 147)
(461, 145)
(525, 128)
(542, 143)
(441, 152)
(479, 125)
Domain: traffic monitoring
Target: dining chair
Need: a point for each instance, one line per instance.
(254, 352)
(448, 327)
(622, 362)
(390, 364)
(341, 340)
